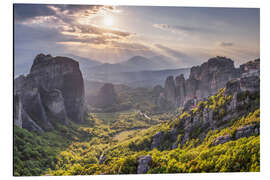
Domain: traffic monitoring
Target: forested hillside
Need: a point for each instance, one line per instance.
(114, 143)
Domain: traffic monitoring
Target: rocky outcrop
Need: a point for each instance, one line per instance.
(251, 68)
(211, 76)
(250, 83)
(200, 115)
(157, 138)
(237, 101)
(170, 91)
(222, 139)
(143, 164)
(52, 91)
(241, 132)
(180, 89)
(106, 96)
(203, 81)
(206, 79)
(247, 131)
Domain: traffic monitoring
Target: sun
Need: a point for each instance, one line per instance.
(108, 21)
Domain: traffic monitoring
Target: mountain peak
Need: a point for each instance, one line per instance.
(138, 58)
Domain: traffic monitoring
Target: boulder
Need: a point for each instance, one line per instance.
(143, 164)
(222, 139)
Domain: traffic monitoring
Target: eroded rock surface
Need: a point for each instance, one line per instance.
(52, 91)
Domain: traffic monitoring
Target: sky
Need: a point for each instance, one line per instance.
(186, 36)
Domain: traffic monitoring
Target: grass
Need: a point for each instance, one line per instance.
(125, 135)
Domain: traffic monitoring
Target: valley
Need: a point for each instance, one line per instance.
(67, 125)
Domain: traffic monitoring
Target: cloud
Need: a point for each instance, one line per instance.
(24, 12)
(226, 44)
(182, 29)
(66, 19)
(91, 29)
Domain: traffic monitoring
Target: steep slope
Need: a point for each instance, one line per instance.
(53, 90)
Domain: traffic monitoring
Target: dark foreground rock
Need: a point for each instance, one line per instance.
(143, 164)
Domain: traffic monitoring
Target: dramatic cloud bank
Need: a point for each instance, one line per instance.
(185, 36)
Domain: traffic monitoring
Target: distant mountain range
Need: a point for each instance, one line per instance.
(137, 71)
(136, 63)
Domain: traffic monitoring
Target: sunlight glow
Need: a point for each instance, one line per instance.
(108, 21)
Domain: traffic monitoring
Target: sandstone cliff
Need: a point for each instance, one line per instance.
(52, 91)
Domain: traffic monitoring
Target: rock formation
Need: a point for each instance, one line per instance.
(170, 91)
(244, 131)
(250, 68)
(238, 97)
(143, 164)
(212, 75)
(52, 91)
(180, 89)
(156, 140)
(106, 96)
(206, 79)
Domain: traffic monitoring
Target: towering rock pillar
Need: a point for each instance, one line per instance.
(52, 91)
(170, 91)
(180, 90)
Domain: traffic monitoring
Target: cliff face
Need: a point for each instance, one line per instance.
(206, 79)
(212, 75)
(170, 91)
(239, 99)
(53, 90)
